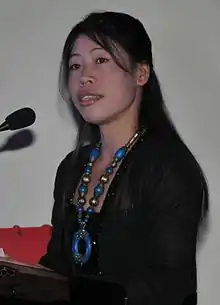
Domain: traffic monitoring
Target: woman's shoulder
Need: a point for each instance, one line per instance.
(168, 167)
(70, 164)
(73, 159)
(167, 151)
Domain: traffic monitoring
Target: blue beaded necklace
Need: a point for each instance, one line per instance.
(82, 235)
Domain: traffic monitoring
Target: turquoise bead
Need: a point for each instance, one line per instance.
(98, 191)
(80, 209)
(109, 170)
(90, 210)
(120, 153)
(83, 189)
(94, 154)
(88, 170)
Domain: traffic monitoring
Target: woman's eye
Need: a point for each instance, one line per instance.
(101, 60)
(74, 67)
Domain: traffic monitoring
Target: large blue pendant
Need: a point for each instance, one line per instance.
(81, 236)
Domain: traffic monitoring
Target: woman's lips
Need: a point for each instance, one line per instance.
(89, 99)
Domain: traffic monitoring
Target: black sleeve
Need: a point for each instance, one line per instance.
(170, 244)
(54, 258)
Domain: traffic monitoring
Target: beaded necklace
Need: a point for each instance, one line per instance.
(83, 215)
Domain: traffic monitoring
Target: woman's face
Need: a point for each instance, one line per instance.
(99, 88)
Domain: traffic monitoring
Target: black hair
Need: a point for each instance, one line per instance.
(109, 29)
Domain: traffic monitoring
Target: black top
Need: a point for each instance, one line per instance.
(144, 238)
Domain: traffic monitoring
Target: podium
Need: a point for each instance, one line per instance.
(29, 284)
(32, 285)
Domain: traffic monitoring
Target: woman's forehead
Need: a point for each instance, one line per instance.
(84, 42)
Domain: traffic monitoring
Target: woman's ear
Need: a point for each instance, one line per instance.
(142, 75)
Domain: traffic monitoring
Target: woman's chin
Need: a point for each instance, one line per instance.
(94, 120)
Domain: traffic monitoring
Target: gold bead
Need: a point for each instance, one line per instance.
(81, 201)
(114, 164)
(86, 178)
(93, 202)
(104, 178)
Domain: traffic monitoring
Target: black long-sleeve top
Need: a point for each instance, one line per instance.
(145, 238)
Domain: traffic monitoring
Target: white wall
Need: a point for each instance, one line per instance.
(186, 40)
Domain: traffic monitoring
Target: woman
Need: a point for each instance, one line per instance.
(130, 198)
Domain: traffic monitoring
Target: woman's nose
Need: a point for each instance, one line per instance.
(87, 77)
(86, 80)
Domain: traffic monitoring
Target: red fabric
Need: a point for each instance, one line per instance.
(25, 244)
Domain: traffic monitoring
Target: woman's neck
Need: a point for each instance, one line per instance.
(114, 136)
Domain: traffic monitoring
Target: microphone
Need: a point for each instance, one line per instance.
(19, 119)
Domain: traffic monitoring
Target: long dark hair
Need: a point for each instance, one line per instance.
(109, 29)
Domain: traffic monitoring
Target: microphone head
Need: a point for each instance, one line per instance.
(20, 118)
